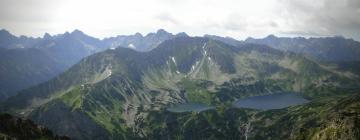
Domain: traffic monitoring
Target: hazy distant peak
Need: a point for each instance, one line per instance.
(138, 35)
(271, 36)
(207, 35)
(249, 38)
(161, 31)
(77, 32)
(5, 32)
(339, 37)
(66, 33)
(25, 37)
(47, 36)
(181, 34)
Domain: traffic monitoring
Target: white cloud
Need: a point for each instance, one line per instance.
(235, 18)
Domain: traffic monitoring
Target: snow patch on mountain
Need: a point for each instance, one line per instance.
(203, 47)
(132, 46)
(173, 59)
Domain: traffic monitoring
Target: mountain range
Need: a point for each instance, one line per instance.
(27, 61)
(121, 87)
(22, 68)
(323, 49)
(110, 94)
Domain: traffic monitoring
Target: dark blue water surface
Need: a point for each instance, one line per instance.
(189, 107)
(272, 101)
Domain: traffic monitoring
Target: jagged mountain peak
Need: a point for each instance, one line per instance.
(271, 36)
(182, 34)
(161, 31)
(66, 34)
(46, 36)
(138, 41)
(4, 31)
(138, 34)
(81, 35)
(77, 32)
(4, 34)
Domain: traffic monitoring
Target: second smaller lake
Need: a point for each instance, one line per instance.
(272, 101)
(189, 107)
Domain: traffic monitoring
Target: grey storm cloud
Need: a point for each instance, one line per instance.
(323, 17)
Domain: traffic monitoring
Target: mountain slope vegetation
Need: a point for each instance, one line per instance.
(331, 118)
(110, 94)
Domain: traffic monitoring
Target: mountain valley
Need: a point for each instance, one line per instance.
(124, 94)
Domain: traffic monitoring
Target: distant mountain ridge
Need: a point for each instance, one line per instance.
(140, 42)
(22, 68)
(8, 41)
(40, 59)
(62, 51)
(323, 48)
(335, 49)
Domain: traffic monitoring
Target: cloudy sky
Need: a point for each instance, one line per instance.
(234, 18)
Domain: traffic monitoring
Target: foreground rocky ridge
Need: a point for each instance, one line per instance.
(12, 128)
